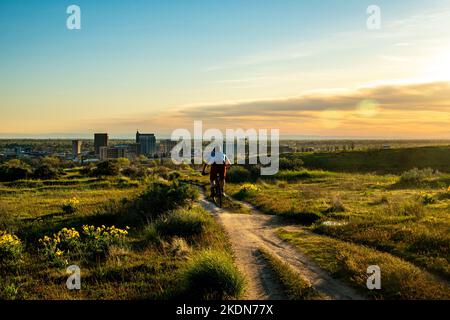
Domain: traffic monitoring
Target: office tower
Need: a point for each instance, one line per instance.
(76, 148)
(100, 140)
(147, 143)
(115, 152)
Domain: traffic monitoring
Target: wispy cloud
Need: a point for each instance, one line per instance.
(407, 110)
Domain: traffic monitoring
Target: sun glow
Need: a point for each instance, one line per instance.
(439, 67)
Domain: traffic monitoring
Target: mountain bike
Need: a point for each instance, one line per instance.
(217, 191)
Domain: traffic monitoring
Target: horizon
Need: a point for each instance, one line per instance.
(309, 69)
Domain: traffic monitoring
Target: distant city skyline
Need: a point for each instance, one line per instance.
(309, 68)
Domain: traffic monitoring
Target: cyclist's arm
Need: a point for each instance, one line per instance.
(227, 162)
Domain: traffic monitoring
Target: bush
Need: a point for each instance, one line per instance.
(45, 172)
(212, 275)
(10, 249)
(416, 175)
(59, 244)
(162, 196)
(182, 223)
(93, 242)
(246, 190)
(107, 168)
(71, 206)
(98, 240)
(290, 163)
(238, 174)
(14, 170)
(136, 172)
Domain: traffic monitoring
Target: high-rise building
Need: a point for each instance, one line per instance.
(112, 152)
(76, 148)
(147, 143)
(100, 140)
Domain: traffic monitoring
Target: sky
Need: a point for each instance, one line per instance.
(308, 68)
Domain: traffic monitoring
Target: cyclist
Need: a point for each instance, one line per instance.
(219, 163)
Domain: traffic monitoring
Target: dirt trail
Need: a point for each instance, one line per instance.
(249, 232)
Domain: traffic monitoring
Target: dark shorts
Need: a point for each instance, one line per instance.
(218, 169)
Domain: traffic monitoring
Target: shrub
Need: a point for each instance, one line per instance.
(290, 163)
(416, 175)
(59, 244)
(93, 242)
(162, 196)
(182, 223)
(10, 249)
(247, 189)
(212, 275)
(135, 172)
(14, 170)
(107, 168)
(71, 206)
(98, 240)
(45, 172)
(238, 174)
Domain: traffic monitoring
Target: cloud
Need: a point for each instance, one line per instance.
(402, 111)
(429, 96)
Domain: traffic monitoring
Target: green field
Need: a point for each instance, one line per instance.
(155, 242)
(381, 161)
(352, 220)
(161, 254)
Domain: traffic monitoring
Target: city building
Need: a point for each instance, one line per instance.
(115, 152)
(165, 147)
(100, 140)
(147, 143)
(76, 148)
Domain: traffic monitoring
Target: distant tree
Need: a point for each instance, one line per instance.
(290, 163)
(45, 172)
(107, 168)
(14, 170)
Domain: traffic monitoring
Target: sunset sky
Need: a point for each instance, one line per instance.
(309, 68)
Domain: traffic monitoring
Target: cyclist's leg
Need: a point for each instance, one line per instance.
(222, 175)
(212, 178)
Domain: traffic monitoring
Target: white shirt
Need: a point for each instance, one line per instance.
(218, 158)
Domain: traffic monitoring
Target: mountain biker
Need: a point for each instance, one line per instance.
(219, 163)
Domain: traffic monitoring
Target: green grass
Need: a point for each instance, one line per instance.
(348, 261)
(394, 220)
(381, 161)
(212, 275)
(144, 265)
(295, 286)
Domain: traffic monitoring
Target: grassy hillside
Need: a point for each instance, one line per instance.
(132, 239)
(402, 225)
(381, 161)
